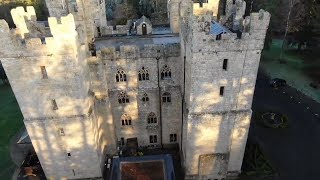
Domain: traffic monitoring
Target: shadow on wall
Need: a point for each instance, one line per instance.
(52, 91)
(216, 142)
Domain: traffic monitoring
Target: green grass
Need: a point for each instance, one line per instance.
(11, 121)
(298, 71)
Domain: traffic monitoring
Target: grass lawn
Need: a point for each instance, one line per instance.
(296, 71)
(11, 121)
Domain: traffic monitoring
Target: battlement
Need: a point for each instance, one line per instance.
(112, 30)
(206, 8)
(32, 38)
(252, 37)
(63, 27)
(20, 16)
(145, 51)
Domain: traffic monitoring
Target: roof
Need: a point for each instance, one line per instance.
(217, 28)
(142, 20)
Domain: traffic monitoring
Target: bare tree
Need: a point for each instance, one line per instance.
(287, 28)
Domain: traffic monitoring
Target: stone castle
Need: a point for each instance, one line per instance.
(87, 89)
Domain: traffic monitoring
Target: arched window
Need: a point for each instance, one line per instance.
(123, 98)
(152, 118)
(145, 97)
(143, 74)
(126, 120)
(166, 97)
(121, 76)
(166, 72)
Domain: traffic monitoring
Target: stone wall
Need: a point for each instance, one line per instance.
(131, 59)
(217, 124)
(49, 77)
(52, 147)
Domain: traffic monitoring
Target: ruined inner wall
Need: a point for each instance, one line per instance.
(217, 125)
(49, 79)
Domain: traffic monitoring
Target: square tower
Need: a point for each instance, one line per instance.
(221, 65)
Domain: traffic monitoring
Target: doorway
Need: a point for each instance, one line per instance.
(144, 29)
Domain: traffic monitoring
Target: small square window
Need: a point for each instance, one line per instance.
(61, 132)
(173, 137)
(221, 90)
(153, 139)
(69, 154)
(218, 37)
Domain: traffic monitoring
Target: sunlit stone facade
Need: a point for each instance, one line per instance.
(84, 92)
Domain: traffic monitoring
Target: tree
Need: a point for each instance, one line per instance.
(287, 28)
(305, 24)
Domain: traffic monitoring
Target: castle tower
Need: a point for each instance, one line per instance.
(90, 15)
(220, 74)
(48, 74)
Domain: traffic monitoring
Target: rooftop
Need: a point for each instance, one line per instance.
(140, 41)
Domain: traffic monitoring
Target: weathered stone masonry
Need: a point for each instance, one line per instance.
(194, 89)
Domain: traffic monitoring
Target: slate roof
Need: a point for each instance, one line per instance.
(217, 29)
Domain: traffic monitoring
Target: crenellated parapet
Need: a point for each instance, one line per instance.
(251, 38)
(20, 18)
(135, 52)
(60, 37)
(211, 7)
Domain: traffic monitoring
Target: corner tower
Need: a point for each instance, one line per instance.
(48, 73)
(220, 75)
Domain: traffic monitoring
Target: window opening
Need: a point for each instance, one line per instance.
(126, 120)
(143, 74)
(152, 118)
(166, 97)
(145, 97)
(153, 139)
(44, 72)
(221, 90)
(173, 137)
(123, 98)
(121, 76)
(225, 64)
(166, 72)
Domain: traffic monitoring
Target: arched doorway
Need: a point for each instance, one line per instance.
(144, 29)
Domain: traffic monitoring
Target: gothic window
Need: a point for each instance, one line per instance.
(121, 76)
(166, 72)
(152, 118)
(166, 97)
(143, 74)
(123, 98)
(153, 139)
(145, 97)
(126, 120)
(173, 137)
